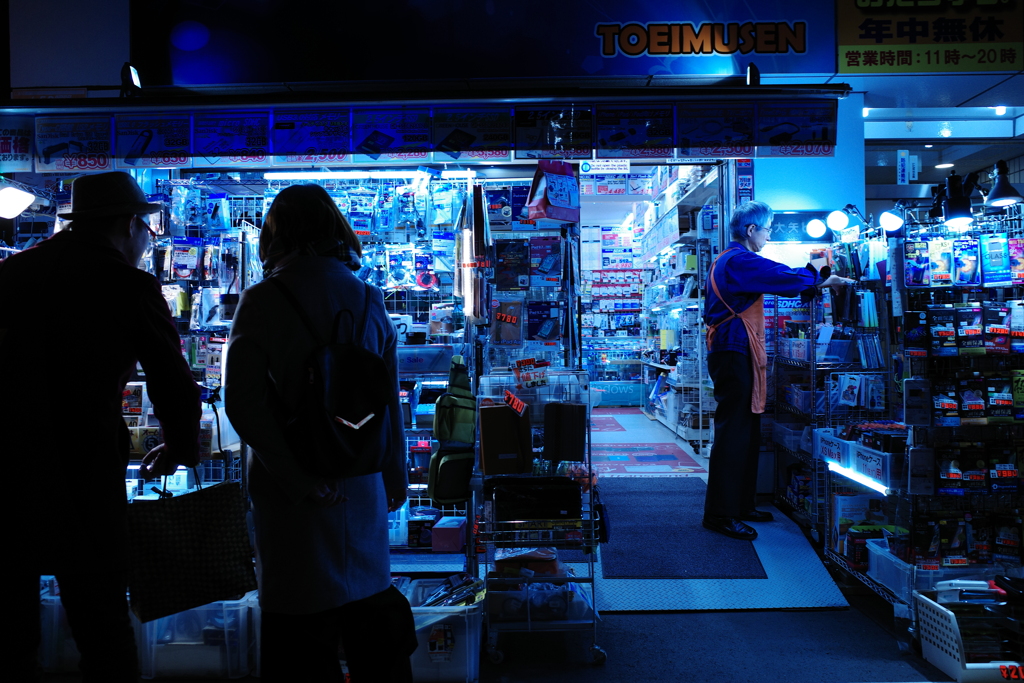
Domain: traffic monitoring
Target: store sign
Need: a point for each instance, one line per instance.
(472, 134)
(389, 135)
(70, 144)
(928, 36)
(796, 129)
(231, 139)
(722, 130)
(605, 166)
(152, 141)
(553, 132)
(310, 137)
(634, 132)
(903, 167)
(16, 142)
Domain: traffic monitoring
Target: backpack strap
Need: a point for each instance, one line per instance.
(361, 335)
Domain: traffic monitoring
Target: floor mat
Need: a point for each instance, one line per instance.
(605, 423)
(616, 411)
(632, 459)
(656, 533)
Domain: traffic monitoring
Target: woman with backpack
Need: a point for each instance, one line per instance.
(321, 531)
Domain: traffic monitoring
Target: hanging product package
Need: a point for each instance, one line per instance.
(455, 411)
(555, 193)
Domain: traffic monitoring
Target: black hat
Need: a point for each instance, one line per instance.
(107, 194)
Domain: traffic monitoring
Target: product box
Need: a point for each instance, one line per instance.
(507, 323)
(916, 264)
(853, 509)
(945, 404)
(940, 253)
(966, 263)
(942, 328)
(545, 261)
(950, 476)
(1016, 250)
(1018, 393)
(448, 535)
(970, 339)
(134, 399)
(995, 261)
(996, 319)
(1007, 545)
(916, 336)
(998, 398)
(972, 401)
(512, 265)
(420, 531)
(543, 320)
(505, 440)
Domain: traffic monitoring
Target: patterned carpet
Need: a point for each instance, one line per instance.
(643, 459)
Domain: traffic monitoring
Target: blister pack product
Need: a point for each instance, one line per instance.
(1016, 252)
(972, 392)
(996, 318)
(187, 209)
(218, 211)
(970, 338)
(507, 323)
(966, 262)
(940, 253)
(185, 260)
(362, 204)
(946, 404)
(942, 329)
(209, 264)
(998, 398)
(995, 260)
(916, 264)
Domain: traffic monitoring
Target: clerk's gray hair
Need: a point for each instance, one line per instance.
(749, 213)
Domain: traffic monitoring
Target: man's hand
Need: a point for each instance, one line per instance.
(327, 494)
(396, 499)
(158, 463)
(836, 281)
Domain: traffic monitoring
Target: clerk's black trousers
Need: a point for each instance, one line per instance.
(732, 472)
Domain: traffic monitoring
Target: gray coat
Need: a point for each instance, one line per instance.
(309, 558)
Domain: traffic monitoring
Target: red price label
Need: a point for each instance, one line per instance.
(1011, 673)
(517, 404)
(724, 150)
(1006, 474)
(945, 333)
(168, 157)
(506, 318)
(248, 155)
(318, 156)
(84, 161)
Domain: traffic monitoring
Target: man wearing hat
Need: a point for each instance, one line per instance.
(76, 314)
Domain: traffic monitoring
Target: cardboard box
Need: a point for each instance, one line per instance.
(505, 440)
(421, 532)
(448, 535)
(853, 509)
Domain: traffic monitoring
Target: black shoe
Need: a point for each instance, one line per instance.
(756, 516)
(730, 527)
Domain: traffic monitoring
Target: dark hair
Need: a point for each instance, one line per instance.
(749, 213)
(305, 214)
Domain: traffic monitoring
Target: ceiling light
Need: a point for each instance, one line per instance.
(864, 111)
(956, 206)
(453, 175)
(1002, 192)
(946, 130)
(945, 165)
(816, 228)
(999, 110)
(929, 146)
(14, 201)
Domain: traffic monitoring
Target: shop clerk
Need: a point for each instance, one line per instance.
(734, 314)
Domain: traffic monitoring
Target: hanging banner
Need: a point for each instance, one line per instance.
(927, 36)
(723, 130)
(310, 138)
(389, 135)
(903, 167)
(796, 129)
(472, 134)
(554, 133)
(74, 143)
(16, 135)
(634, 132)
(236, 138)
(152, 141)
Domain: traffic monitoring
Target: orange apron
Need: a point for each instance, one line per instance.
(753, 322)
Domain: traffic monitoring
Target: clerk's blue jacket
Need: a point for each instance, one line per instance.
(742, 276)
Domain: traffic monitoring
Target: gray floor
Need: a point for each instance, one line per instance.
(856, 643)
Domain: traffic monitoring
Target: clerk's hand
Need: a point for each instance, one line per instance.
(328, 494)
(158, 463)
(836, 281)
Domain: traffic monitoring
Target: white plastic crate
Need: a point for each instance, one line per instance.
(827, 446)
(212, 641)
(942, 645)
(885, 468)
(449, 638)
(57, 651)
(398, 526)
(788, 435)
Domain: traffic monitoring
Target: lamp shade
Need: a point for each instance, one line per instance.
(1003, 192)
(13, 201)
(837, 220)
(890, 221)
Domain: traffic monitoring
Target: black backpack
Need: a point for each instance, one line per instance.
(336, 429)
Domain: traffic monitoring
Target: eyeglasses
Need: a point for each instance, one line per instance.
(152, 234)
(755, 225)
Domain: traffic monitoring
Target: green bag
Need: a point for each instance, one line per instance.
(449, 476)
(455, 413)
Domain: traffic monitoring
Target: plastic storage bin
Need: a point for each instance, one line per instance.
(398, 526)
(943, 646)
(884, 468)
(449, 638)
(903, 578)
(788, 435)
(57, 651)
(828, 446)
(212, 641)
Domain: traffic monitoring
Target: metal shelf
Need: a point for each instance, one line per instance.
(842, 563)
(802, 456)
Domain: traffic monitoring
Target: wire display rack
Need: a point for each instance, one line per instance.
(567, 601)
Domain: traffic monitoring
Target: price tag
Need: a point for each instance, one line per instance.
(517, 404)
